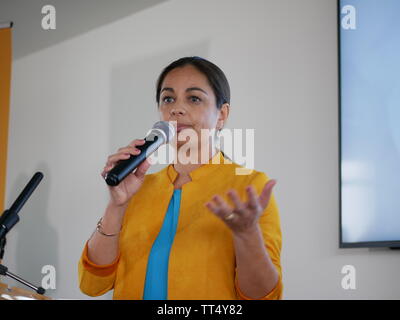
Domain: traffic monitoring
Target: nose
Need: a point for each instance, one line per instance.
(176, 111)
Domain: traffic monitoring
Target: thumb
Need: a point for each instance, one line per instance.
(142, 169)
(266, 193)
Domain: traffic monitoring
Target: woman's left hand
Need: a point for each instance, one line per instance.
(243, 218)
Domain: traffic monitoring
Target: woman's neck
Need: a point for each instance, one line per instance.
(185, 168)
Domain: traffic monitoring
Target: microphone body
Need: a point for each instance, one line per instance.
(161, 133)
(10, 217)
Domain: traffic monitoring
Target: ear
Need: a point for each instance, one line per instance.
(223, 115)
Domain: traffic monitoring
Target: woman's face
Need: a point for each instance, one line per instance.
(187, 98)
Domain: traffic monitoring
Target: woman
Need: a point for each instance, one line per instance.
(192, 230)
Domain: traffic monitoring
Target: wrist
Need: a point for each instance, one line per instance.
(112, 219)
(115, 209)
(249, 233)
(100, 228)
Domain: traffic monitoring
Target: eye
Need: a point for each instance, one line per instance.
(165, 99)
(194, 99)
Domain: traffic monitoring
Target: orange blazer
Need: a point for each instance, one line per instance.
(202, 257)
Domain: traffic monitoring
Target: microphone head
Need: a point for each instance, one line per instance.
(166, 128)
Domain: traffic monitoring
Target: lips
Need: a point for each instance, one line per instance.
(180, 127)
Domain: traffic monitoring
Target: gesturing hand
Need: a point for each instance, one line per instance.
(244, 216)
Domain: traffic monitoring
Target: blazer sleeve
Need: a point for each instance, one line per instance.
(270, 225)
(96, 280)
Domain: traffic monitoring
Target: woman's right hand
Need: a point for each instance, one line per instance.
(121, 194)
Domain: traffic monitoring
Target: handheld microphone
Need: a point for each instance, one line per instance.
(162, 132)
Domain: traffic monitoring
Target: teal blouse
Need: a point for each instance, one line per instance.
(156, 283)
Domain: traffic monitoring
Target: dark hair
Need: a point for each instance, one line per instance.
(214, 74)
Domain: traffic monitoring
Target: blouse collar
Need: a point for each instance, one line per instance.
(204, 170)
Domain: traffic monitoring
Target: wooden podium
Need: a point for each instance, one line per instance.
(14, 293)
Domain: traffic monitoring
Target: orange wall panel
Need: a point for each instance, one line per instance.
(5, 82)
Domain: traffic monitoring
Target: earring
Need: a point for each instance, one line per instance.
(219, 133)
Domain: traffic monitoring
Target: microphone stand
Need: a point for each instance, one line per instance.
(4, 272)
(8, 220)
(3, 242)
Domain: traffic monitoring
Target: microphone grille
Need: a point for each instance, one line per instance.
(165, 127)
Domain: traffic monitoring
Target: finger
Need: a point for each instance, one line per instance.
(240, 207)
(253, 199)
(218, 211)
(136, 142)
(115, 158)
(106, 169)
(119, 156)
(123, 154)
(266, 193)
(222, 203)
(223, 208)
(129, 149)
(212, 207)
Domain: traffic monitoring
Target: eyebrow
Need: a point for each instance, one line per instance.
(187, 90)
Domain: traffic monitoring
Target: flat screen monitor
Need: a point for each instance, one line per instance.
(369, 123)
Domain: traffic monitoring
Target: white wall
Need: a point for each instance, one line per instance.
(76, 102)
